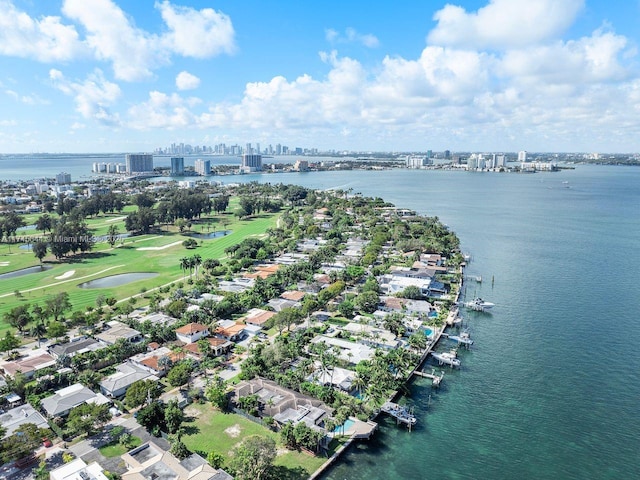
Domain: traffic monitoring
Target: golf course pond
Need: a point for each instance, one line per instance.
(24, 271)
(117, 280)
(206, 236)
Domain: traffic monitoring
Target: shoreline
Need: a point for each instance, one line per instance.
(453, 312)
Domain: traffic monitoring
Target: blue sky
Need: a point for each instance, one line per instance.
(470, 75)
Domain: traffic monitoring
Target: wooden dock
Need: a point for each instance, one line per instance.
(436, 379)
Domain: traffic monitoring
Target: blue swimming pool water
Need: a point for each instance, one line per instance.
(344, 427)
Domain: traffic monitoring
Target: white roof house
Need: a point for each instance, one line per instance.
(116, 385)
(78, 470)
(12, 419)
(61, 403)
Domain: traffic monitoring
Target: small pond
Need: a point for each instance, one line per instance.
(210, 235)
(116, 280)
(24, 271)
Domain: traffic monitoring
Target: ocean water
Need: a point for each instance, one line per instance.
(551, 387)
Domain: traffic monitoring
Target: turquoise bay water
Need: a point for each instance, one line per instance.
(550, 388)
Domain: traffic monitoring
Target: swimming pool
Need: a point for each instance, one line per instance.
(345, 427)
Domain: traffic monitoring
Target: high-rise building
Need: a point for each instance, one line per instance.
(202, 167)
(301, 165)
(139, 163)
(522, 156)
(447, 154)
(63, 178)
(177, 165)
(251, 163)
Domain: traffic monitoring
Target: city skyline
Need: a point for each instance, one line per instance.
(491, 75)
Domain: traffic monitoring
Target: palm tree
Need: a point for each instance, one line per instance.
(196, 260)
(359, 383)
(184, 265)
(38, 331)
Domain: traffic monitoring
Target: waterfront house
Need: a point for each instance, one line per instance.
(348, 351)
(372, 336)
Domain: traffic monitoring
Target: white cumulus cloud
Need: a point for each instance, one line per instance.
(93, 96)
(351, 35)
(45, 39)
(504, 23)
(197, 33)
(134, 52)
(187, 81)
(163, 111)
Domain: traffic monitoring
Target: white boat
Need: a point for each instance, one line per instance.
(479, 304)
(447, 358)
(464, 338)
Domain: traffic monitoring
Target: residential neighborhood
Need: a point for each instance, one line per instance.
(300, 330)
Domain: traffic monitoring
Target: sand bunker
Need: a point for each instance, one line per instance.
(4, 264)
(114, 219)
(65, 275)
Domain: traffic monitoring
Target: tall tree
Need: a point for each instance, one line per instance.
(253, 458)
(58, 305)
(40, 250)
(173, 416)
(18, 317)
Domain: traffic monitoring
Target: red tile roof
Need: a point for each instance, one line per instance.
(191, 328)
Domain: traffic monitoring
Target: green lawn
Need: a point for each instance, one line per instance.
(220, 432)
(115, 449)
(104, 261)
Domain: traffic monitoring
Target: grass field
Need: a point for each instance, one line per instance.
(115, 449)
(221, 432)
(124, 258)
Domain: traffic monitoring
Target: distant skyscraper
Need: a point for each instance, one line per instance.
(139, 163)
(177, 165)
(522, 156)
(202, 167)
(447, 154)
(251, 163)
(63, 178)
